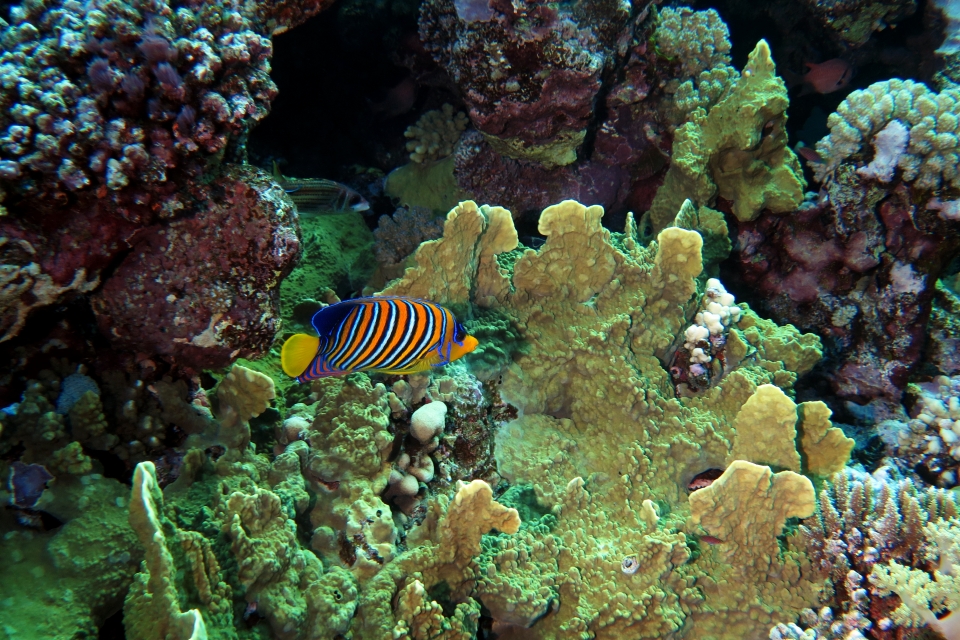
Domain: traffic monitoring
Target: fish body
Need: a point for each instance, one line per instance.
(827, 77)
(808, 153)
(317, 195)
(384, 334)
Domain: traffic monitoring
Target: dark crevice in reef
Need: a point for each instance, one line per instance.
(112, 628)
(328, 117)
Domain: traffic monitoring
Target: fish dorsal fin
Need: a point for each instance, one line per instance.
(297, 353)
(327, 321)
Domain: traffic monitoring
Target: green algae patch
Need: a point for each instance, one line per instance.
(64, 583)
(337, 255)
(429, 185)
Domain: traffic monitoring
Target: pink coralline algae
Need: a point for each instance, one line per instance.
(529, 71)
(205, 289)
(859, 266)
(111, 113)
(605, 141)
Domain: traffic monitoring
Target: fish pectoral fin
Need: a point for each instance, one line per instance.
(423, 364)
(297, 353)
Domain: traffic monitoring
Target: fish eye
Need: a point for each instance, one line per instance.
(459, 333)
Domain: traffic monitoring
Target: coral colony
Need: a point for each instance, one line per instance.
(671, 348)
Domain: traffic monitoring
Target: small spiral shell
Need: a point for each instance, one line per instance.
(630, 565)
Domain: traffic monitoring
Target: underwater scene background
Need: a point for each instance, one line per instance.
(689, 365)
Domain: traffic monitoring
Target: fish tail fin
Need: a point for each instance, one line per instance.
(297, 353)
(790, 78)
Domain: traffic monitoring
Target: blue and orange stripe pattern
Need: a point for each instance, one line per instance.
(387, 334)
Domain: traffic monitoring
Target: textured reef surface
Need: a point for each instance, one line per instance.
(716, 394)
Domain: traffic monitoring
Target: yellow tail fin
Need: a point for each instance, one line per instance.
(297, 353)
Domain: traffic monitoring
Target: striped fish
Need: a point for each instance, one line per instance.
(316, 195)
(384, 334)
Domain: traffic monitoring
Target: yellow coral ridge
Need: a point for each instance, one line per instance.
(766, 430)
(152, 610)
(826, 449)
(747, 507)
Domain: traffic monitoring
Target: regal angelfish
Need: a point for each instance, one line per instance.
(384, 334)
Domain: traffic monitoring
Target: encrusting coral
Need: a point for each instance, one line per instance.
(594, 304)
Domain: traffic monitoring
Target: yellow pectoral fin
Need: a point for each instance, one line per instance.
(423, 364)
(297, 353)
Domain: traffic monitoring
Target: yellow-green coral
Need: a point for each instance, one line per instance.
(65, 582)
(826, 450)
(737, 150)
(600, 430)
(700, 42)
(152, 609)
(599, 463)
(766, 430)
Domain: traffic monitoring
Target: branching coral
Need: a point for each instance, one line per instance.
(700, 42)
(864, 523)
(935, 603)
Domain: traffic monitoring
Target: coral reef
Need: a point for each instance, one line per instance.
(860, 261)
(864, 525)
(205, 289)
(529, 73)
(114, 119)
(435, 134)
(926, 602)
(852, 23)
(399, 235)
(737, 150)
(369, 517)
(99, 93)
(629, 453)
(930, 442)
(542, 451)
(910, 127)
(337, 255)
(63, 582)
